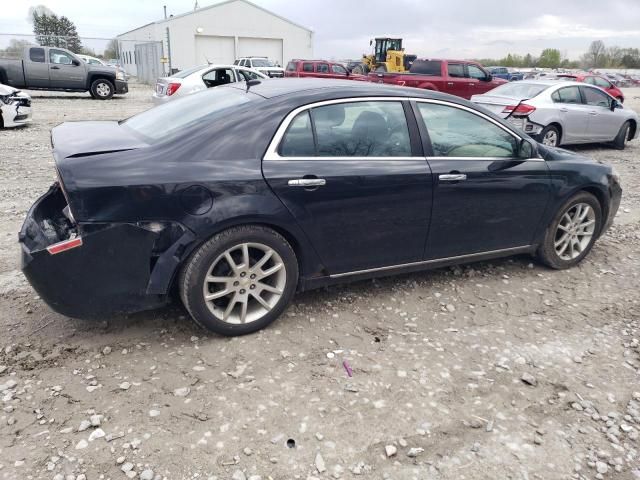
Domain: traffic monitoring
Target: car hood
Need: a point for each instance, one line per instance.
(559, 154)
(7, 90)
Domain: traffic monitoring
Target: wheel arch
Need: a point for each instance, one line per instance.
(634, 128)
(92, 77)
(308, 260)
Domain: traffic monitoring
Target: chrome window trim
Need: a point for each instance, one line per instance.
(272, 150)
(273, 155)
(432, 261)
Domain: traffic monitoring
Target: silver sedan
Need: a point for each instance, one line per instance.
(200, 78)
(561, 113)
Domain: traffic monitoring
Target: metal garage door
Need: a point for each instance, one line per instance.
(261, 47)
(214, 49)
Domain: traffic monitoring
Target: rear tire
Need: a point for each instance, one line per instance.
(231, 270)
(622, 137)
(550, 136)
(572, 232)
(102, 89)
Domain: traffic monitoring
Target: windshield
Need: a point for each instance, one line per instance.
(518, 90)
(187, 72)
(260, 62)
(163, 121)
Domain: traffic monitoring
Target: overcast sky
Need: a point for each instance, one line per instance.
(451, 28)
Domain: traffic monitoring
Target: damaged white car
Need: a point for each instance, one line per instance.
(15, 107)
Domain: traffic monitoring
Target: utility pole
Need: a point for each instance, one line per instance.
(169, 50)
(165, 12)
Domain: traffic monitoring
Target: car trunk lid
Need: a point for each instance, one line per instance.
(496, 103)
(80, 139)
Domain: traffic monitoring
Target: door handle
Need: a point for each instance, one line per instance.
(307, 182)
(55, 68)
(452, 177)
(450, 84)
(564, 110)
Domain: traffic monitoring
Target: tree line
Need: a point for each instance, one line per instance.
(597, 56)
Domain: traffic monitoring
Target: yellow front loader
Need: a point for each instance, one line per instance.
(388, 56)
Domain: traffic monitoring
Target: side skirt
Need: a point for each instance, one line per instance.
(347, 277)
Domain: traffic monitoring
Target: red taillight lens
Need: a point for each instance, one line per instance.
(521, 109)
(172, 88)
(64, 245)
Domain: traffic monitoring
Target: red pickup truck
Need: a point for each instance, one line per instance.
(457, 77)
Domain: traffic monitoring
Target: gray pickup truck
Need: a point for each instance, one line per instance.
(49, 68)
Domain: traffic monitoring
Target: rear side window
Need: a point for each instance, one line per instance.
(456, 70)
(356, 129)
(567, 95)
(307, 67)
(426, 67)
(322, 68)
(36, 55)
(458, 133)
(291, 67)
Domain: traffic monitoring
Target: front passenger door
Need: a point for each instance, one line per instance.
(603, 124)
(485, 198)
(65, 71)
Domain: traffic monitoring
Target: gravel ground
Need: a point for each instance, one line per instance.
(500, 370)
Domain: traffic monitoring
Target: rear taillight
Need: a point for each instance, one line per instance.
(64, 245)
(172, 88)
(521, 109)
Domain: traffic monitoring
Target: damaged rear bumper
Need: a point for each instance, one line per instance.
(94, 270)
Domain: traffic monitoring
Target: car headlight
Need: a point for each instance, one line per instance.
(119, 75)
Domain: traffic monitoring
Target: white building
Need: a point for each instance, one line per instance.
(218, 33)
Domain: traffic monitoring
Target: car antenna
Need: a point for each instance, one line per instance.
(252, 83)
(208, 62)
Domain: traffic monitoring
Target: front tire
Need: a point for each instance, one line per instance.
(240, 280)
(572, 232)
(102, 89)
(621, 139)
(550, 136)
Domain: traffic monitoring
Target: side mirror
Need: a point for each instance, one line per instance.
(489, 77)
(75, 63)
(615, 104)
(527, 149)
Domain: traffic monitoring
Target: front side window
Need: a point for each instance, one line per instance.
(567, 95)
(596, 98)
(322, 68)
(307, 67)
(356, 129)
(601, 82)
(456, 70)
(59, 57)
(458, 133)
(220, 76)
(338, 69)
(36, 55)
(476, 72)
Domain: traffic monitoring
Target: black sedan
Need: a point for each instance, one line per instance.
(238, 197)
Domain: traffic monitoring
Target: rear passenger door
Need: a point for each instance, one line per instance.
(37, 68)
(307, 70)
(573, 114)
(456, 80)
(485, 197)
(352, 174)
(322, 70)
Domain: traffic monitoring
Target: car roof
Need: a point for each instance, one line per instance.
(339, 89)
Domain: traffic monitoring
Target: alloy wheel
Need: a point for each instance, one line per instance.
(244, 283)
(550, 138)
(575, 231)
